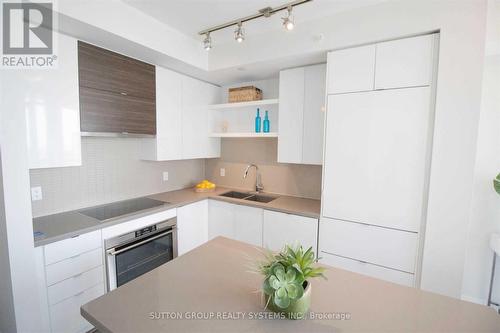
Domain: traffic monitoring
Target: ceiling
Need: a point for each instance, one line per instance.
(191, 16)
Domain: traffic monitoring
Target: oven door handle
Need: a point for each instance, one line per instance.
(114, 253)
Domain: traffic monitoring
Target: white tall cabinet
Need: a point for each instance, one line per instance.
(52, 106)
(301, 100)
(377, 157)
(182, 119)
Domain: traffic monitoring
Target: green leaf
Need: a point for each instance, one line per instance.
(282, 302)
(281, 292)
(294, 290)
(279, 271)
(290, 274)
(496, 183)
(274, 282)
(268, 290)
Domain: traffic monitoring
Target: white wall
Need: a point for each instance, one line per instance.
(485, 210)
(17, 223)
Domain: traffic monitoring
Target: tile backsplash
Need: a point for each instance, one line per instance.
(111, 170)
(283, 178)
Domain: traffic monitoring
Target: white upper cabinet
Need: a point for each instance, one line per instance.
(168, 142)
(196, 97)
(182, 119)
(351, 70)
(404, 62)
(302, 99)
(376, 157)
(291, 115)
(53, 110)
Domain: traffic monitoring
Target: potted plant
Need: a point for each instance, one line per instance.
(286, 286)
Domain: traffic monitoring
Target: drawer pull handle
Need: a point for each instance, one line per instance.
(79, 294)
(362, 262)
(75, 256)
(77, 275)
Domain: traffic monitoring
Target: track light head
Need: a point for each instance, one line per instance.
(239, 33)
(207, 42)
(288, 23)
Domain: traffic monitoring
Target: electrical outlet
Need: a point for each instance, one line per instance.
(36, 193)
(222, 172)
(165, 176)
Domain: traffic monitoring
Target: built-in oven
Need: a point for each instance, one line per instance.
(132, 254)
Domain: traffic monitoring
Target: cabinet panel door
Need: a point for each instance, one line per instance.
(52, 117)
(110, 112)
(248, 224)
(196, 96)
(376, 157)
(220, 217)
(381, 246)
(391, 275)
(291, 113)
(192, 226)
(281, 229)
(102, 69)
(351, 70)
(168, 115)
(314, 114)
(404, 62)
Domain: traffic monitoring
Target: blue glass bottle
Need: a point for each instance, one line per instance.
(257, 122)
(266, 123)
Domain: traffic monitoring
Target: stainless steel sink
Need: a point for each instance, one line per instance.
(236, 195)
(248, 196)
(260, 198)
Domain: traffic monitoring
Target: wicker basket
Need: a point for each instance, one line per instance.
(244, 94)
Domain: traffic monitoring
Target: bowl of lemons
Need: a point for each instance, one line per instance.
(205, 186)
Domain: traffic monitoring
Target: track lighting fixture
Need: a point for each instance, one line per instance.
(239, 33)
(207, 42)
(288, 23)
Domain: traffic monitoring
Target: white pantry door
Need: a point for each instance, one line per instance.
(376, 157)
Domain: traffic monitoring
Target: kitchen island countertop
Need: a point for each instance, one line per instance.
(210, 289)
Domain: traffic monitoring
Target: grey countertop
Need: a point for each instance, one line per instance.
(60, 226)
(214, 279)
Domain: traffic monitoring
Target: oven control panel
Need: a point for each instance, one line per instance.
(145, 231)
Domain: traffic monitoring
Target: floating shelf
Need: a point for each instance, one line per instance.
(243, 104)
(244, 135)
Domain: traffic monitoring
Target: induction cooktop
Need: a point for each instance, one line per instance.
(121, 208)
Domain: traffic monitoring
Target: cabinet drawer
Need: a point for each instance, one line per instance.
(365, 268)
(65, 316)
(75, 265)
(75, 285)
(71, 247)
(381, 246)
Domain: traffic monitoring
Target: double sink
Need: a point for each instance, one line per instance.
(248, 196)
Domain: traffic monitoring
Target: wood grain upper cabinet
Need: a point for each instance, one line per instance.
(117, 93)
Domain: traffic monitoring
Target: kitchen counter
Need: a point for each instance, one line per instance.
(214, 280)
(60, 226)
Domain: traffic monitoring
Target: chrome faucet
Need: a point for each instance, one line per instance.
(258, 181)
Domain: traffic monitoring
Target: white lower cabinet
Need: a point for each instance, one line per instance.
(282, 228)
(70, 273)
(192, 226)
(365, 268)
(234, 221)
(380, 252)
